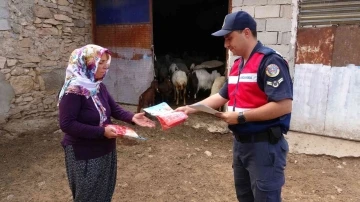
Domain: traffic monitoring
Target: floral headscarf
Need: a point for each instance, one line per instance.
(80, 75)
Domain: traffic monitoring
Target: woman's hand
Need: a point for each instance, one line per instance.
(110, 132)
(141, 120)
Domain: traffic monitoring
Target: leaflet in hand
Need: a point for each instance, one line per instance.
(204, 108)
(126, 131)
(167, 117)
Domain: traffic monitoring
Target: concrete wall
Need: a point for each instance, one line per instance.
(326, 100)
(276, 24)
(36, 39)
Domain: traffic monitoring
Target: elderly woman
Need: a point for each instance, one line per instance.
(85, 107)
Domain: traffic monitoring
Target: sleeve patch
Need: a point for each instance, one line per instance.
(275, 83)
(272, 70)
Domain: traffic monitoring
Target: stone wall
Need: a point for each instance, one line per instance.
(36, 39)
(276, 24)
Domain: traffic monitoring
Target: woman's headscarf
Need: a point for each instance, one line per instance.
(80, 75)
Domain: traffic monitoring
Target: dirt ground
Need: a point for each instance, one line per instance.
(170, 166)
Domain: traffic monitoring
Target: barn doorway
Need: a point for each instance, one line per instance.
(184, 27)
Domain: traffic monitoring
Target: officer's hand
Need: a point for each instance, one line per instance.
(228, 117)
(186, 109)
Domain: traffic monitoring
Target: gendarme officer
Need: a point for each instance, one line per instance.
(259, 93)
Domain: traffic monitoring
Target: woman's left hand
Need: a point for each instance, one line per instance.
(141, 120)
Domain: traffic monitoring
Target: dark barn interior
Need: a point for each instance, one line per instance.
(184, 27)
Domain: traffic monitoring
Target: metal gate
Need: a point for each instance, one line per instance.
(329, 12)
(125, 28)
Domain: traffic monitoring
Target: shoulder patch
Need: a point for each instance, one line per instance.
(272, 70)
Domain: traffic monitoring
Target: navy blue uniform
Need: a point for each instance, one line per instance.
(259, 165)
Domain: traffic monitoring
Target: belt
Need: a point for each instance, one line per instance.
(256, 137)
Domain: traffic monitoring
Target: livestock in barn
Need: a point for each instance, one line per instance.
(217, 85)
(173, 67)
(210, 66)
(179, 80)
(165, 89)
(178, 66)
(182, 67)
(161, 69)
(201, 79)
(147, 98)
(163, 72)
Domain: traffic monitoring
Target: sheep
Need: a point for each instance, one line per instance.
(173, 67)
(210, 66)
(163, 72)
(181, 66)
(179, 80)
(218, 83)
(147, 98)
(165, 89)
(201, 79)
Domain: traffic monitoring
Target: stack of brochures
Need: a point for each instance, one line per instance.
(167, 117)
(126, 132)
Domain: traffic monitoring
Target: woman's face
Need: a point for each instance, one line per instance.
(101, 69)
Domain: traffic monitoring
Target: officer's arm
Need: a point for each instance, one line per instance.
(276, 82)
(269, 111)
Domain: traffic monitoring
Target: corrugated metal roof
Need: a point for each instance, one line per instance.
(328, 12)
